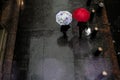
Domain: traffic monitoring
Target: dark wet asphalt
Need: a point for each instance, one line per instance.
(42, 54)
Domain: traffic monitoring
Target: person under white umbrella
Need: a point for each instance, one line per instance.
(64, 18)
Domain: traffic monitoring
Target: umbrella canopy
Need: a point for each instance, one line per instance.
(64, 18)
(81, 14)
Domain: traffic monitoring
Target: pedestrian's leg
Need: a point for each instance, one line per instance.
(80, 33)
(64, 34)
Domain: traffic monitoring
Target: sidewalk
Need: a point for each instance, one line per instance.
(44, 55)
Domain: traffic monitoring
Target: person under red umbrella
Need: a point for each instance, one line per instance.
(82, 26)
(82, 15)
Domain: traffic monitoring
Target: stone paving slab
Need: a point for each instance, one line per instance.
(53, 62)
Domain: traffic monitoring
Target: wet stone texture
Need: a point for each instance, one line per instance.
(42, 53)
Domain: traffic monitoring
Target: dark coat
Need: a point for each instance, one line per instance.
(82, 25)
(64, 28)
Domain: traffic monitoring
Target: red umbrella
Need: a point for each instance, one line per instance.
(81, 14)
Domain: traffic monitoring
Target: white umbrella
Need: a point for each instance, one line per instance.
(64, 18)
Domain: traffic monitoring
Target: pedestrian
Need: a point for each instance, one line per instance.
(99, 9)
(64, 29)
(93, 34)
(102, 75)
(98, 51)
(92, 14)
(88, 3)
(82, 26)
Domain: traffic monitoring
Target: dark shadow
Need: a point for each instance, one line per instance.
(74, 40)
(22, 44)
(81, 47)
(62, 41)
(21, 56)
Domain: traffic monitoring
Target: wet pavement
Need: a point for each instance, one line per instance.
(42, 54)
